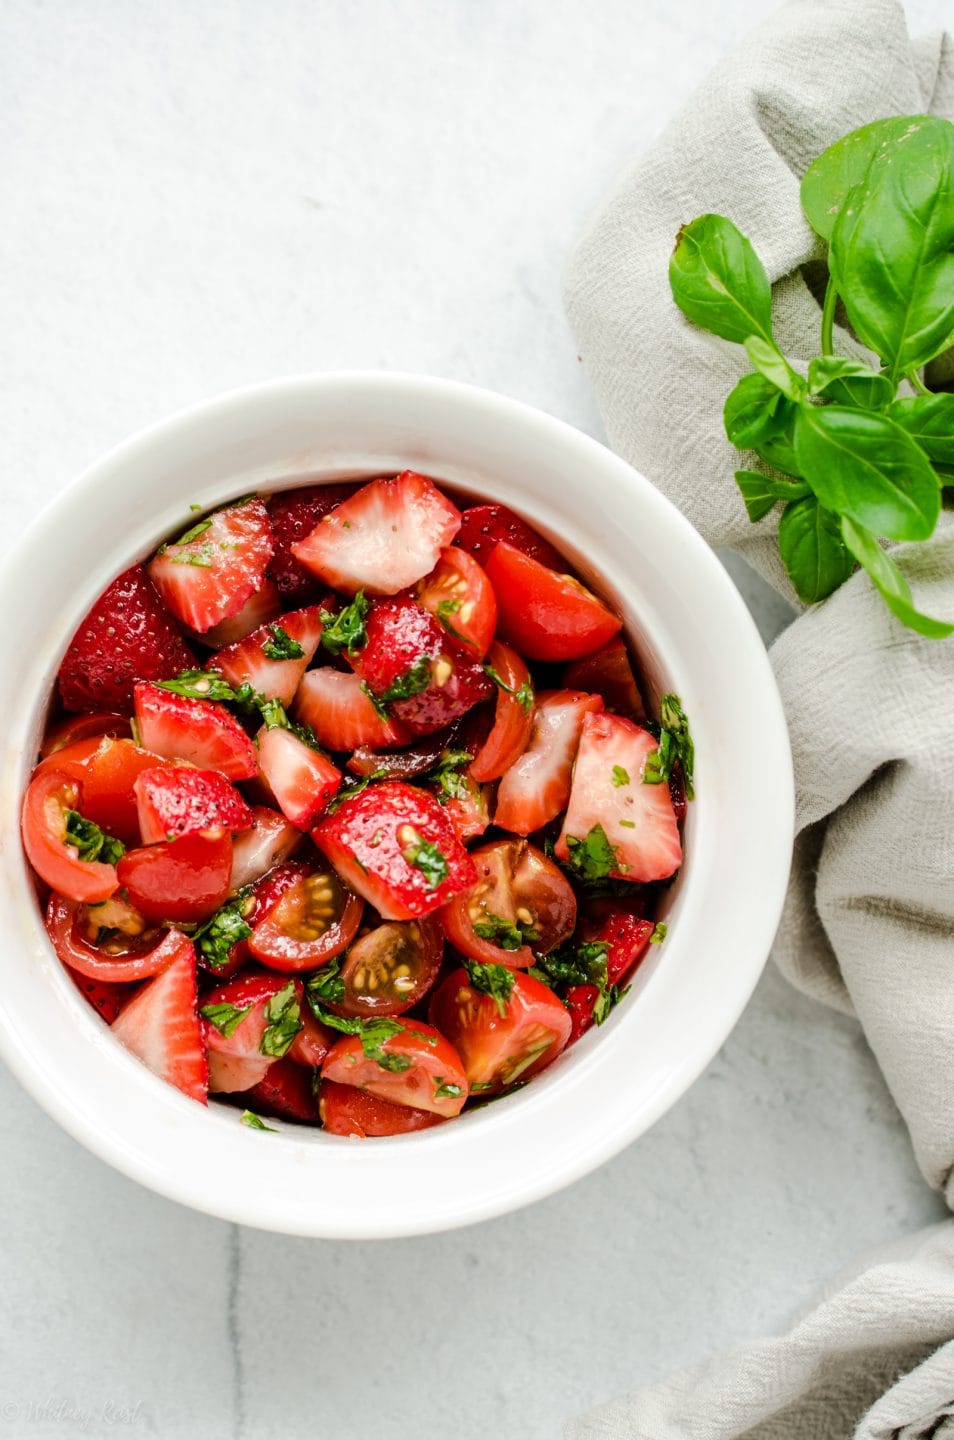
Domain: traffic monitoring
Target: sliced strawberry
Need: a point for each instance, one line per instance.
(394, 845)
(409, 666)
(467, 809)
(262, 605)
(107, 999)
(128, 635)
(173, 802)
(340, 713)
(161, 1025)
(301, 779)
(636, 819)
(274, 657)
(201, 731)
(268, 842)
(287, 1093)
(580, 1000)
(609, 673)
(210, 572)
(234, 1025)
(294, 514)
(384, 538)
(482, 526)
(537, 786)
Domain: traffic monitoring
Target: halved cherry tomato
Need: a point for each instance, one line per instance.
(609, 672)
(84, 727)
(50, 795)
(390, 968)
(498, 1049)
(315, 919)
(109, 778)
(256, 851)
(346, 1110)
(132, 959)
(287, 1092)
(461, 599)
(432, 1079)
(547, 616)
(518, 891)
(513, 718)
(185, 880)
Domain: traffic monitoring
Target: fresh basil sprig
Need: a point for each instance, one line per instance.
(852, 460)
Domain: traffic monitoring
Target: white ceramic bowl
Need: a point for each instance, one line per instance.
(694, 636)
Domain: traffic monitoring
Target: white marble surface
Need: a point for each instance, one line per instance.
(197, 195)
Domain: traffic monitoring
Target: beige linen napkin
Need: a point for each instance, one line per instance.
(869, 922)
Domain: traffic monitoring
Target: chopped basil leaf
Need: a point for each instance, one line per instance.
(502, 933)
(326, 984)
(379, 705)
(628, 824)
(201, 559)
(276, 718)
(412, 682)
(209, 685)
(226, 1018)
(226, 928)
(620, 776)
(373, 1034)
(446, 1090)
(281, 646)
(423, 855)
(352, 789)
(675, 747)
(523, 694)
(90, 841)
(574, 965)
(446, 776)
(445, 609)
(607, 1000)
(594, 857)
(345, 631)
(283, 1022)
(250, 1119)
(659, 934)
(199, 528)
(493, 980)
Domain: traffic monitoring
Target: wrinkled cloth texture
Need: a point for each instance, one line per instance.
(868, 925)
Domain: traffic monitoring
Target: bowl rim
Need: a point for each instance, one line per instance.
(159, 1150)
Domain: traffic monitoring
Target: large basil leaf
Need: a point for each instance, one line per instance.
(753, 411)
(719, 282)
(928, 419)
(848, 382)
(864, 465)
(812, 550)
(886, 575)
(827, 181)
(892, 249)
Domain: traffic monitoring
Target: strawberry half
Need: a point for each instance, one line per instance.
(294, 514)
(382, 539)
(340, 713)
(233, 1027)
(173, 802)
(161, 1026)
(640, 835)
(209, 572)
(202, 731)
(127, 636)
(537, 786)
(394, 845)
(275, 656)
(287, 1092)
(409, 665)
(301, 779)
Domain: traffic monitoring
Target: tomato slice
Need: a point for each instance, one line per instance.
(609, 672)
(519, 895)
(109, 780)
(461, 598)
(345, 1110)
(498, 1049)
(84, 727)
(513, 719)
(315, 919)
(185, 880)
(287, 1092)
(547, 616)
(390, 968)
(50, 795)
(431, 1079)
(129, 959)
